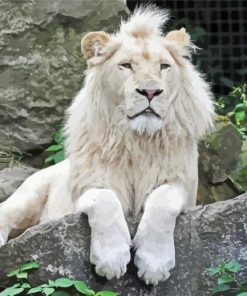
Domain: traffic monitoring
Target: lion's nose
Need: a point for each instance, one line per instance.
(149, 93)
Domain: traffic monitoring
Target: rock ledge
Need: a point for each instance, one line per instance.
(203, 237)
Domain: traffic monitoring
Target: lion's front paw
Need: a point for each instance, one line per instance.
(155, 256)
(152, 266)
(110, 257)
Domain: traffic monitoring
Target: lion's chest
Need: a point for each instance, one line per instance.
(136, 176)
(132, 174)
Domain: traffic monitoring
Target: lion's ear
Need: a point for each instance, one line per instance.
(180, 37)
(93, 43)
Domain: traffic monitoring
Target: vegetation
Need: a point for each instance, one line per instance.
(56, 150)
(226, 279)
(234, 106)
(59, 287)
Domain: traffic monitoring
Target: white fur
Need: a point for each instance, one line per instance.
(118, 165)
(148, 20)
(3, 237)
(146, 123)
(155, 256)
(108, 229)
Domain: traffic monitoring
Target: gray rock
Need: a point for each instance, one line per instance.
(5, 150)
(11, 178)
(241, 176)
(203, 237)
(220, 161)
(41, 66)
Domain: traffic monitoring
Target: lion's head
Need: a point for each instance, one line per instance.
(144, 80)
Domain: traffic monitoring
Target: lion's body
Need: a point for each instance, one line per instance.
(131, 142)
(130, 164)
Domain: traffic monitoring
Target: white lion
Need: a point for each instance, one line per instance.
(132, 134)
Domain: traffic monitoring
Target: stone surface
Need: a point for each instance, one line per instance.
(41, 66)
(203, 237)
(241, 176)
(219, 164)
(5, 150)
(11, 178)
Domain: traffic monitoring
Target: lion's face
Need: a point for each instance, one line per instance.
(139, 76)
(142, 75)
(146, 82)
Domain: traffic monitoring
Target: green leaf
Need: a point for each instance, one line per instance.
(233, 266)
(13, 273)
(15, 291)
(26, 286)
(29, 265)
(63, 283)
(222, 265)
(226, 278)
(242, 294)
(239, 106)
(106, 293)
(221, 288)
(51, 283)
(48, 291)
(58, 137)
(10, 290)
(59, 156)
(22, 275)
(82, 288)
(5, 292)
(35, 290)
(16, 286)
(54, 148)
(240, 116)
(48, 159)
(45, 286)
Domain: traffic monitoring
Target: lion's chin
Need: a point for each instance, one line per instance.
(146, 124)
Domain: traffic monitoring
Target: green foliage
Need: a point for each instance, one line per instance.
(234, 106)
(56, 150)
(22, 272)
(59, 287)
(241, 178)
(226, 280)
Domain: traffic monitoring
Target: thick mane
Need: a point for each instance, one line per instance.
(98, 134)
(145, 21)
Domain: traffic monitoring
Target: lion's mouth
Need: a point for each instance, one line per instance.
(148, 111)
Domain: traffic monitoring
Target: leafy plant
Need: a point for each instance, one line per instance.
(57, 149)
(234, 106)
(225, 274)
(59, 287)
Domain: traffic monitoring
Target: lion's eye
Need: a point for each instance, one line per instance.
(164, 66)
(126, 65)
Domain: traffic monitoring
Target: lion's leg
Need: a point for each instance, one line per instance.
(24, 207)
(154, 242)
(110, 238)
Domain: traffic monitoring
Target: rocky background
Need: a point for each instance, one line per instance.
(41, 66)
(41, 70)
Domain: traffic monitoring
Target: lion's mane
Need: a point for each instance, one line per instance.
(103, 153)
